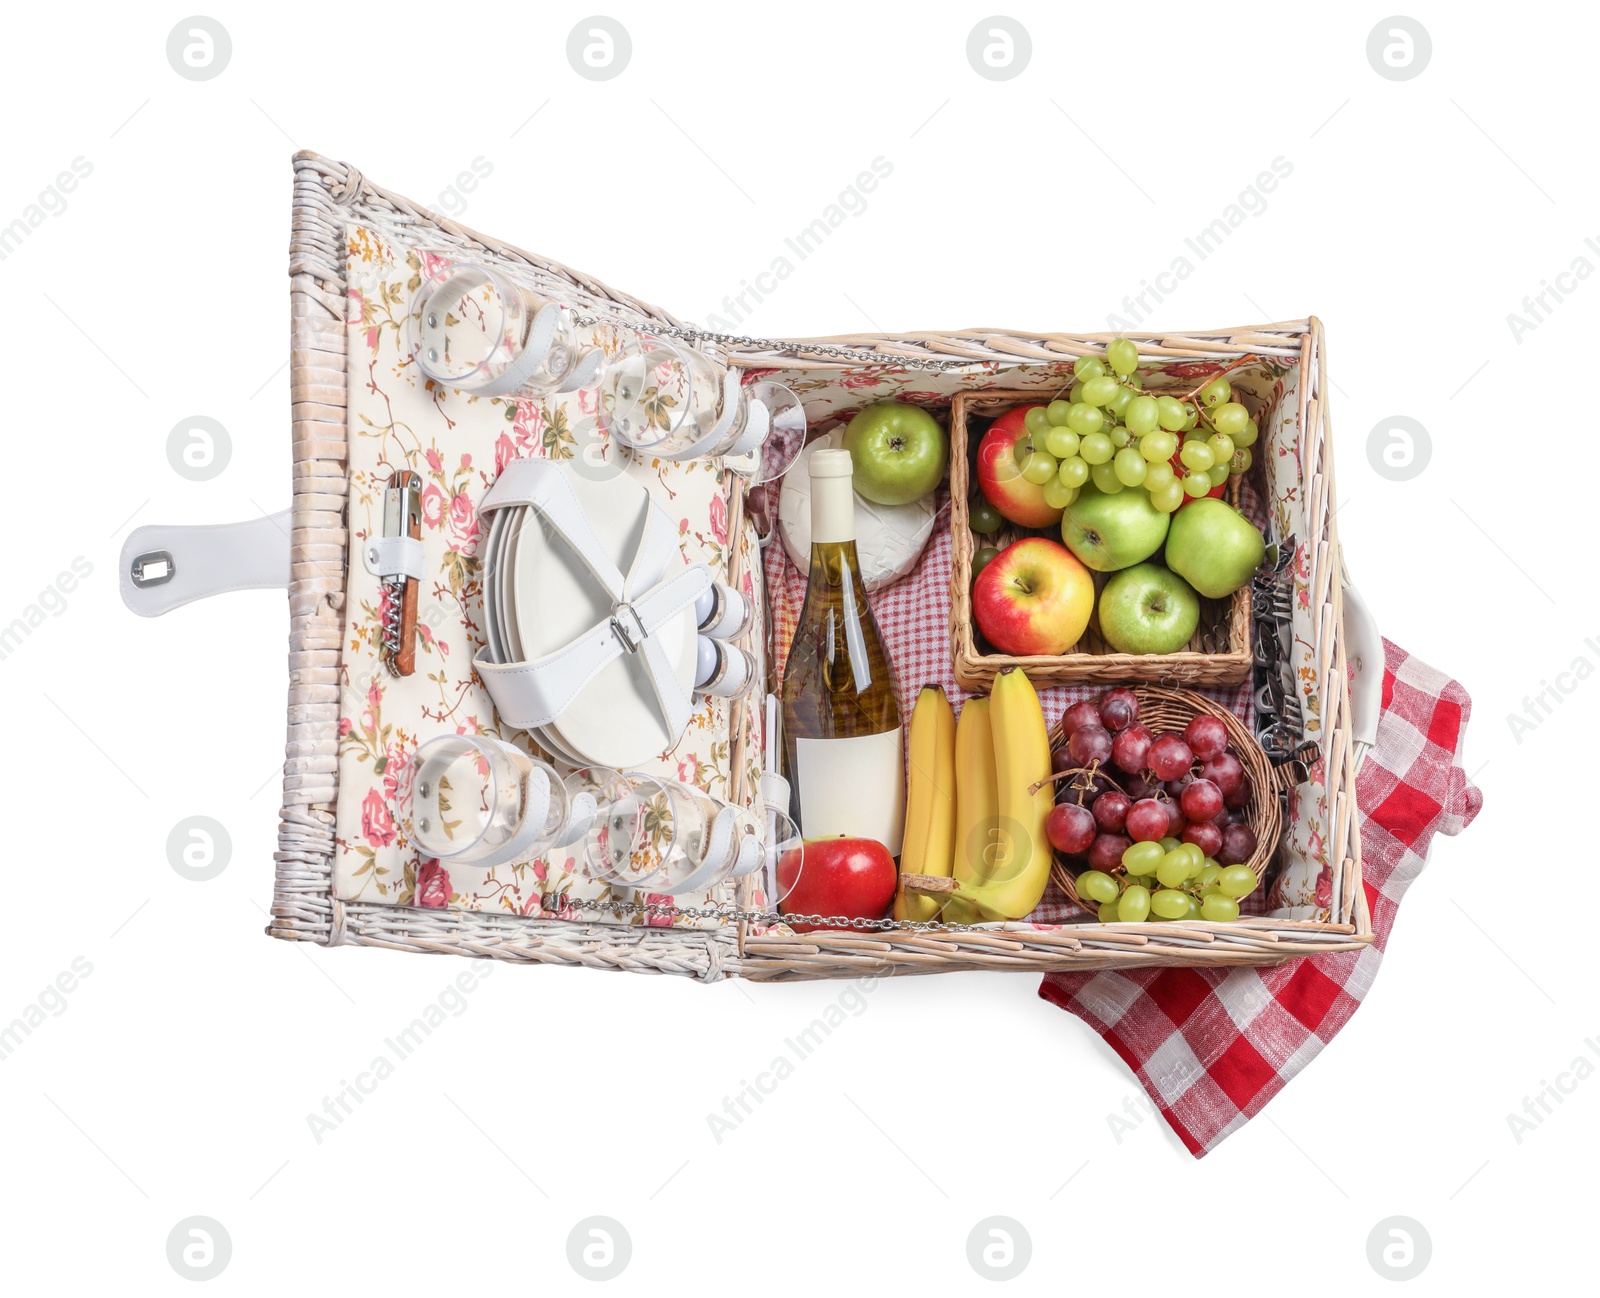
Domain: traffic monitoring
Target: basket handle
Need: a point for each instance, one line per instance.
(165, 566)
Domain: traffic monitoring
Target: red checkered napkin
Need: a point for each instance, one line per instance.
(1213, 1047)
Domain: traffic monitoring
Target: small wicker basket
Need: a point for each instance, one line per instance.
(1217, 654)
(1171, 710)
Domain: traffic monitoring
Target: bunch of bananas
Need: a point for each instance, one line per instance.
(976, 807)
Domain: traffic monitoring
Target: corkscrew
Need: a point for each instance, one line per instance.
(396, 559)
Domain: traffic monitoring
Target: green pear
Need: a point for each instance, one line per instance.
(1214, 547)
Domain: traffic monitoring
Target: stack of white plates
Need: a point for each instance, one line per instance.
(539, 597)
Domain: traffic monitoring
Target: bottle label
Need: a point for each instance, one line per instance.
(855, 787)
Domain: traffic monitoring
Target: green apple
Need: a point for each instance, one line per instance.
(1214, 547)
(1147, 610)
(1115, 531)
(899, 452)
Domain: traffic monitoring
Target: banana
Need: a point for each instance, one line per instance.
(928, 845)
(977, 801)
(1001, 855)
(1018, 867)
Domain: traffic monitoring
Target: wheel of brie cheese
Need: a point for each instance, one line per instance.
(889, 538)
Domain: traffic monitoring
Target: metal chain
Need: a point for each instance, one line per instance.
(696, 336)
(726, 914)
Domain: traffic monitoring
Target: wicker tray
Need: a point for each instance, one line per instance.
(326, 195)
(1217, 654)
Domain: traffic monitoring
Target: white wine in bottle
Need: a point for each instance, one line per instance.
(842, 743)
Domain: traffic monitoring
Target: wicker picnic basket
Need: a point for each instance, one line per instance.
(328, 194)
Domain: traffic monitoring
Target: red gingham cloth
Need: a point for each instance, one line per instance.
(1212, 1047)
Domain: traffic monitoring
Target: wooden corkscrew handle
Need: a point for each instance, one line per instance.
(406, 490)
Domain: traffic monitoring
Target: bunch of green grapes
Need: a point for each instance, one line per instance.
(1110, 430)
(1169, 880)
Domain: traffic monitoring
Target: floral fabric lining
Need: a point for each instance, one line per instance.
(459, 444)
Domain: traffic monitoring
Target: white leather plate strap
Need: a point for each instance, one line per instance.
(533, 694)
(393, 556)
(164, 567)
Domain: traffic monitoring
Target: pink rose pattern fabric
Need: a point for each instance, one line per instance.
(458, 446)
(433, 885)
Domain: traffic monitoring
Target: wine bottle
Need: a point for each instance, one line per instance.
(842, 742)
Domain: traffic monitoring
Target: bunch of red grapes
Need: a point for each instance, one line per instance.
(1190, 786)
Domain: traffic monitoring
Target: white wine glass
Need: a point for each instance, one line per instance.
(477, 800)
(664, 398)
(473, 328)
(662, 835)
(784, 440)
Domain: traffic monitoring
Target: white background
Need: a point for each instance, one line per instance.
(179, 1077)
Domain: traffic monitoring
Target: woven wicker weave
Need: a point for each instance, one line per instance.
(326, 195)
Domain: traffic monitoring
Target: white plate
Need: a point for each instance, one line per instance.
(615, 721)
(509, 641)
(492, 599)
(552, 744)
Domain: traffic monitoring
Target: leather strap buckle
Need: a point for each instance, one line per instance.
(632, 636)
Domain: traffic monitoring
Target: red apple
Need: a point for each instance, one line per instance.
(1000, 474)
(1035, 598)
(849, 878)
